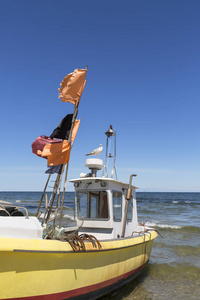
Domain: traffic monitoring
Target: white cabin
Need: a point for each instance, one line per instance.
(101, 202)
(100, 207)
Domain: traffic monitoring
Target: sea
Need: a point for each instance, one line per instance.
(173, 271)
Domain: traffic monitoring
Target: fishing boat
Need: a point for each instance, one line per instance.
(66, 252)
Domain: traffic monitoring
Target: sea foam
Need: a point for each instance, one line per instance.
(162, 225)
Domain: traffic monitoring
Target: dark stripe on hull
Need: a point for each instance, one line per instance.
(110, 288)
(90, 292)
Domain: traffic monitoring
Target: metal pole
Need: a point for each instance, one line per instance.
(57, 182)
(69, 139)
(66, 173)
(63, 196)
(59, 176)
(128, 197)
(56, 185)
(43, 195)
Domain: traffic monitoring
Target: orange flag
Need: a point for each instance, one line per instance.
(75, 129)
(72, 86)
(59, 153)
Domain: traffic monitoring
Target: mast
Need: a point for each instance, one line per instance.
(71, 90)
(43, 195)
(66, 173)
(109, 133)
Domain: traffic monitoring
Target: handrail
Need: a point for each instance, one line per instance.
(16, 206)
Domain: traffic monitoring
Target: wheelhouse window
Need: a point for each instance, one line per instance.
(117, 206)
(92, 205)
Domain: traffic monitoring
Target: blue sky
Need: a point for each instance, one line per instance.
(143, 78)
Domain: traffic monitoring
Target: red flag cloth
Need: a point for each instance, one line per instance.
(72, 86)
(59, 153)
(40, 142)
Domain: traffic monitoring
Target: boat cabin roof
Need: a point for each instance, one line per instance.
(101, 180)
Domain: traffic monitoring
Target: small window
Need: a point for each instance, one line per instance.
(103, 207)
(130, 210)
(92, 205)
(117, 206)
(83, 205)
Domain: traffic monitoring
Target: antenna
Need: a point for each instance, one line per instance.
(111, 134)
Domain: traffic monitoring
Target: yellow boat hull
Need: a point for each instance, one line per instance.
(49, 269)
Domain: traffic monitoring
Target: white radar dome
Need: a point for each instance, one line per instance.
(94, 163)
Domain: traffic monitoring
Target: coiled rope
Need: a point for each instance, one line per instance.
(77, 242)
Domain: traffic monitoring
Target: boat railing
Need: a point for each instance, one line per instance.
(16, 209)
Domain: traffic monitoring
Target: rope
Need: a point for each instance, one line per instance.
(91, 238)
(78, 242)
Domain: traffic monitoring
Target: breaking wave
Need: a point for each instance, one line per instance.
(187, 229)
